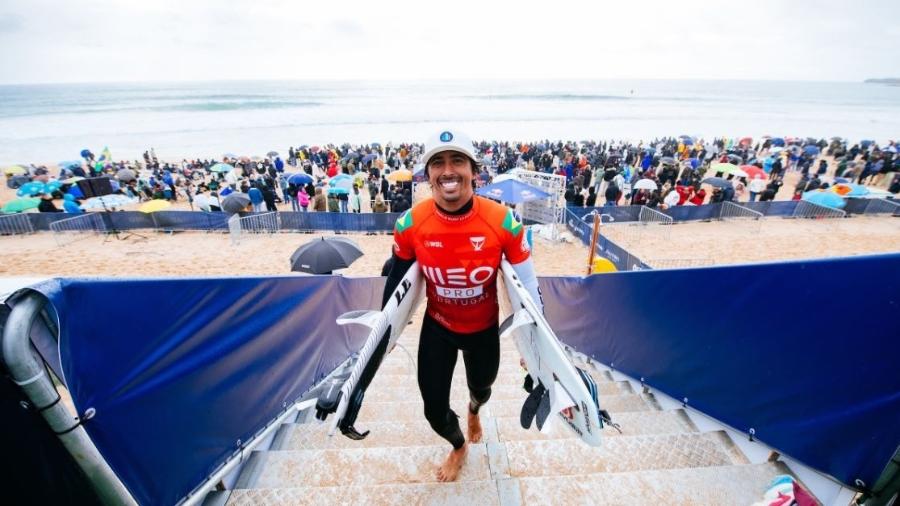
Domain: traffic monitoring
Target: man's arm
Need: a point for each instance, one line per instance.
(525, 271)
(398, 269)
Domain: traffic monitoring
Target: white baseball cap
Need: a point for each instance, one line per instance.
(448, 140)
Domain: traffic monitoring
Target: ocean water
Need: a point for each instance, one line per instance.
(50, 123)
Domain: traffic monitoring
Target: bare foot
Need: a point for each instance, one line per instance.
(475, 431)
(449, 470)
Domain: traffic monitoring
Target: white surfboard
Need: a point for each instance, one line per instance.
(393, 318)
(570, 401)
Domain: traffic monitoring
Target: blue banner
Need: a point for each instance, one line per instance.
(182, 372)
(804, 353)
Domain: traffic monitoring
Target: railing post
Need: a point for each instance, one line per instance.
(30, 375)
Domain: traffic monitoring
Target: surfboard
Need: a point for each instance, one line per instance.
(387, 323)
(559, 388)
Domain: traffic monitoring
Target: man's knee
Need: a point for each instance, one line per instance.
(442, 420)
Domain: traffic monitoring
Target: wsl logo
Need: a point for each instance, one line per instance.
(446, 137)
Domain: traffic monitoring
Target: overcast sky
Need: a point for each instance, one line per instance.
(45, 41)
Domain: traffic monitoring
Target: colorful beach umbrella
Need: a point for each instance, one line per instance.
(69, 164)
(825, 198)
(513, 192)
(221, 167)
(778, 141)
(754, 172)
(718, 182)
(400, 175)
(107, 202)
(154, 205)
(811, 150)
(746, 141)
(20, 205)
(301, 178)
(645, 184)
(31, 188)
(14, 169)
(724, 168)
(849, 190)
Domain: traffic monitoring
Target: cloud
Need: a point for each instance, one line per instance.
(10, 23)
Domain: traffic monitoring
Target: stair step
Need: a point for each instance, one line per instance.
(367, 466)
(620, 454)
(432, 494)
(410, 390)
(399, 411)
(738, 484)
(383, 434)
(503, 378)
(633, 423)
(397, 366)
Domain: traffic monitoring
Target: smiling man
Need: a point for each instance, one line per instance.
(458, 240)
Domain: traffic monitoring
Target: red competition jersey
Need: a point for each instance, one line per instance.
(460, 257)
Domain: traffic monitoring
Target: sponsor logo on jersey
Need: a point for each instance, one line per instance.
(477, 242)
(434, 244)
(457, 282)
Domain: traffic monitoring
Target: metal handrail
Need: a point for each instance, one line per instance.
(29, 373)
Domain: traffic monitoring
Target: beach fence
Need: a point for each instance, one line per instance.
(650, 221)
(750, 220)
(882, 206)
(80, 227)
(809, 210)
(679, 263)
(15, 224)
(252, 226)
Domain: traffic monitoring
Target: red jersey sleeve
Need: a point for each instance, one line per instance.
(515, 247)
(403, 246)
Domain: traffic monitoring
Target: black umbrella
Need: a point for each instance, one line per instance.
(667, 160)
(718, 182)
(325, 255)
(235, 202)
(125, 175)
(16, 181)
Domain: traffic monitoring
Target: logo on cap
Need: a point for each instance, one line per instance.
(446, 137)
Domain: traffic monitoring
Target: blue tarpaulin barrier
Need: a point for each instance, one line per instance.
(804, 353)
(181, 371)
(622, 259)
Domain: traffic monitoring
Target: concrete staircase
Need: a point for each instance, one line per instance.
(659, 458)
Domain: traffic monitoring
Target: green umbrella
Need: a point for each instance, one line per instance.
(724, 168)
(19, 205)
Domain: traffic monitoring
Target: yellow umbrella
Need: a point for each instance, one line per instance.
(400, 175)
(14, 169)
(154, 205)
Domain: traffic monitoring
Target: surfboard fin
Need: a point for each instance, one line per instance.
(365, 317)
(514, 321)
(543, 411)
(530, 407)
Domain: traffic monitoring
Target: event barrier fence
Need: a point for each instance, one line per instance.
(233, 353)
(750, 220)
(384, 222)
(253, 225)
(15, 224)
(810, 210)
(882, 206)
(779, 383)
(70, 230)
(184, 393)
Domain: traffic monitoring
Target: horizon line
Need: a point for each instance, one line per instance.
(434, 79)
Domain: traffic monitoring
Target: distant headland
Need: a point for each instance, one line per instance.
(890, 81)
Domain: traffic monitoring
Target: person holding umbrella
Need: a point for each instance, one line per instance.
(458, 240)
